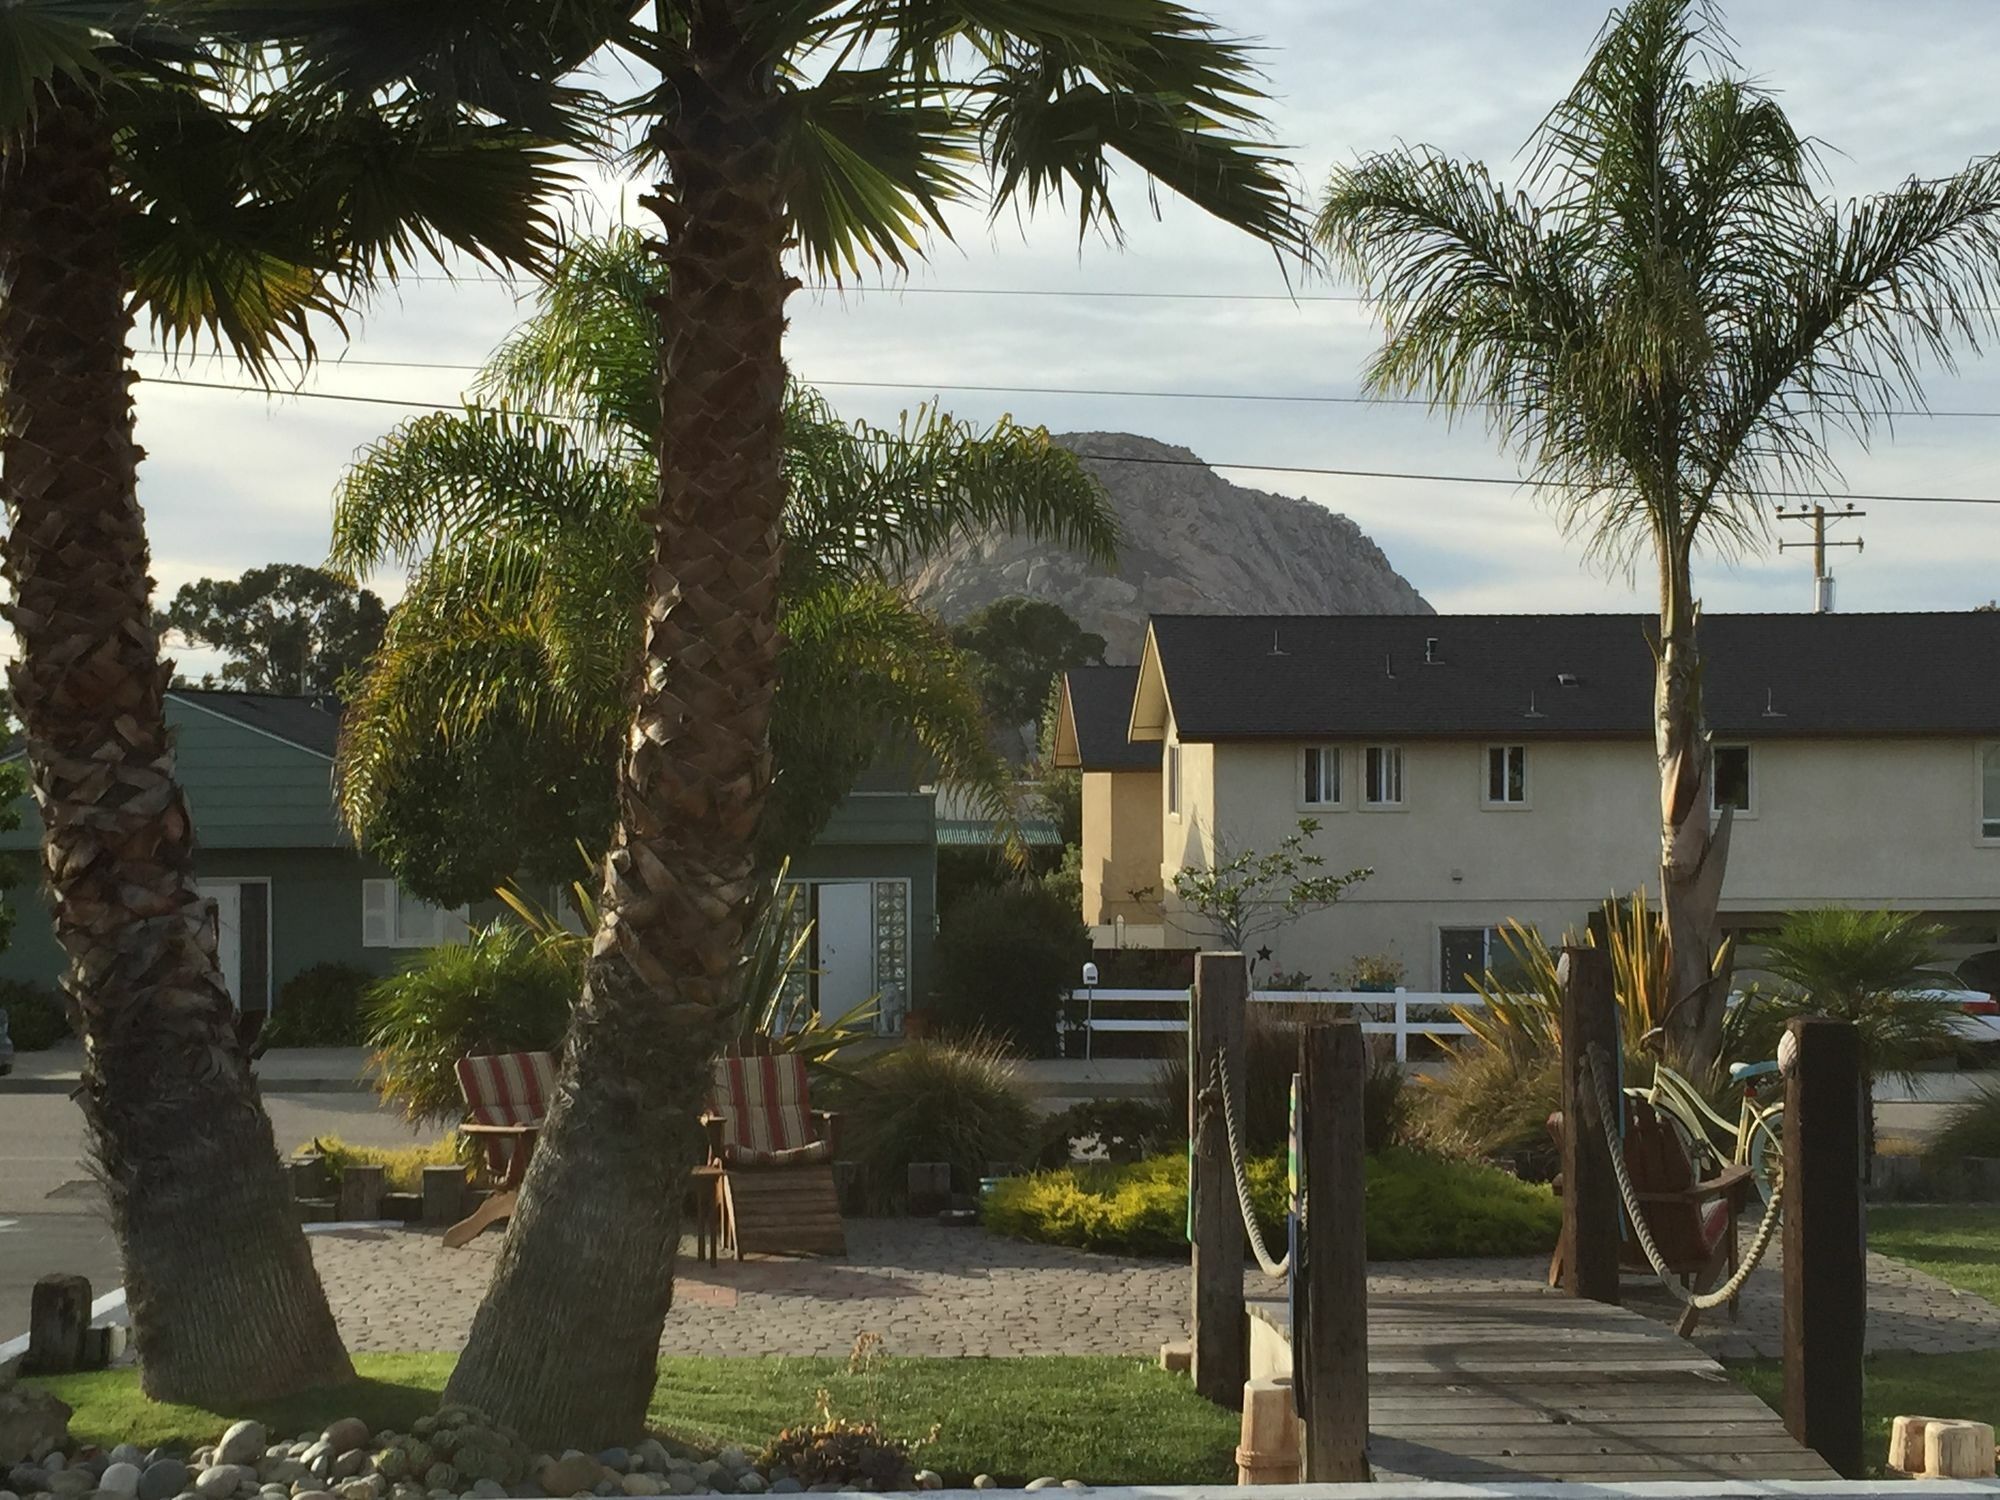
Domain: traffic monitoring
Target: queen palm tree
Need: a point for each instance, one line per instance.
(186, 161)
(1667, 321)
(503, 679)
(845, 128)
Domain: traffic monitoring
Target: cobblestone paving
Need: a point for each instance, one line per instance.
(935, 1291)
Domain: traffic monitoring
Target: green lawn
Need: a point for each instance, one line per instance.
(1960, 1245)
(1103, 1420)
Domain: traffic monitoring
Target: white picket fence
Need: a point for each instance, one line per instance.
(1401, 1014)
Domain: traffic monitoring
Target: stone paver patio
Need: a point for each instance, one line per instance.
(935, 1291)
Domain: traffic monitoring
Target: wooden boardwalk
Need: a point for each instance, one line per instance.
(1521, 1385)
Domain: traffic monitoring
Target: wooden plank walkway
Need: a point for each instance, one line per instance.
(1521, 1385)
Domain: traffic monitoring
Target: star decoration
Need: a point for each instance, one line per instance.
(1264, 954)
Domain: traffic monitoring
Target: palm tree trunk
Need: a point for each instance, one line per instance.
(225, 1302)
(565, 1344)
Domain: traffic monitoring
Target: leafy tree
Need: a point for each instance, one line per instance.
(1023, 646)
(505, 673)
(286, 628)
(840, 129)
(1666, 321)
(1244, 895)
(235, 172)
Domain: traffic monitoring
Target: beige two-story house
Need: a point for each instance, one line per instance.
(1501, 766)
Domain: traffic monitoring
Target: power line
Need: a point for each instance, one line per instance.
(1112, 458)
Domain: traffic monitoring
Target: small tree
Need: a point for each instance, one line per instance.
(285, 627)
(1022, 648)
(1244, 895)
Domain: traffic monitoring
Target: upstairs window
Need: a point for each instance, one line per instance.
(1384, 779)
(1989, 792)
(1174, 780)
(392, 918)
(1732, 784)
(1506, 775)
(1319, 773)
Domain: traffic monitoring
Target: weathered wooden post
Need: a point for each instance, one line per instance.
(1826, 1240)
(1592, 1214)
(1333, 1364)
(1221, 1336)
(58, 1326)
(361, 1190)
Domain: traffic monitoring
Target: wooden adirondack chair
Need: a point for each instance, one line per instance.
(506, 1097)
(776, 1155)
(1693, 1219)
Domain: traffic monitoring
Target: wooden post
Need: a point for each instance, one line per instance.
(58, 1326)
(1333, 1075)
(361, 1190)
(1221, 1335)
(1826, 1241)
(1268, 1452)
(444, 1195)
(1593, 1217)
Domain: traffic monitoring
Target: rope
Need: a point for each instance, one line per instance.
(1607, 1117)
(1278, 1269)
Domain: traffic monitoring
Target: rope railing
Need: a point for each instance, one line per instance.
(1278, 1269)
(1598, 1066)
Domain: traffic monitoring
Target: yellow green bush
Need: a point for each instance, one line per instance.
(1419, 1207)
(405, 1163)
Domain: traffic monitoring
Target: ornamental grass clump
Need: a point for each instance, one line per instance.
(956, 1102)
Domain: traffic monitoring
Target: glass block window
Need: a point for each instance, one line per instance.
(892, 951)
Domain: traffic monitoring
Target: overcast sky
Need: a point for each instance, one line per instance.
(235, 480)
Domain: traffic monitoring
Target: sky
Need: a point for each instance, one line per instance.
(235, 480)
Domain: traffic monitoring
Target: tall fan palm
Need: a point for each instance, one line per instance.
(504, 679)
(1667, 323)
(844, 128)
(182, 160)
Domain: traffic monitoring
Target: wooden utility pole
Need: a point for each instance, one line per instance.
(1826, 1240)
(1220, 1335)
(1592, 1214)
(1817, 518)
(1333, 1362)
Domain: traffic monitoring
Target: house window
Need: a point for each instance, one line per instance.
(1174, 780)
(1506, 775)
(1319, 769)
(392, 918)
(1384, 780)
(1732, 785)
(1989, 792)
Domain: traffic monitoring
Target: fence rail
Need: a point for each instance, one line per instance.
(1401, 1014)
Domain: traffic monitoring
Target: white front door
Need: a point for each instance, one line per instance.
(844, 929)
(228, 898)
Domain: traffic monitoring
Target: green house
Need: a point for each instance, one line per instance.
(290, 889)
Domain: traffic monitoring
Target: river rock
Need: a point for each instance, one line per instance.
(242, 1443)
(1046, 1482)
(362, 1487)
(985, 1482)
(72, 1481)
(643, 1483)
(127, 1453)
(1075, 1484)
(219, 1481)
(345, 1435)
(929, 1479)
(312, 1495)
(572, 1474)
(162, 1479)
(28, 1479)
(33, 1424)
(120, 1478)
(750, 1482)
(787, 1486)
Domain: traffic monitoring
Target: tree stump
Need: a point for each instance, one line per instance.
(444, 1195)
(1958, 1450)
(361, 1190)
(1906, 1443)
(58, 1326)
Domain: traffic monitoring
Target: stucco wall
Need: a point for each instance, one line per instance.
(1121, 830)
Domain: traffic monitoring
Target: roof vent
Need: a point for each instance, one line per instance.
(1388, 664)
(1533, 712)
(1276, 649)
(1771, 709)
(1430, 651)
(1567, 679)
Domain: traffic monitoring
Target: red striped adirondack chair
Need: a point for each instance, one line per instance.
(506, 1097)
(776, 1155)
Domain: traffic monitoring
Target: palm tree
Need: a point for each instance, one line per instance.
(844, 128)
(505, 673)
(1666, 322)
(185, 160)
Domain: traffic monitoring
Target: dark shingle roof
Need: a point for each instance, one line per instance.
(1100, 703)
(1765, 675)
(310, 723)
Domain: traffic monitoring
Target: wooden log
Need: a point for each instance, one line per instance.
(58, 1326)
(361, 1191)
(309, 1176)
(1268, 1452)
(1333, 1364)
(1958, 1450)
(1593, 1218)
(1218, 1324)
(444, 1195)
(1177, 1356)
(1826, 1242)
(1906, 1443)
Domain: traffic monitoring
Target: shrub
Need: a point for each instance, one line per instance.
(500, 991)
(1419, 1207)
(405, 1163)
(1005, 959)
(1971, 1129)
(1119, 1130)
(37, 1015)
(954, 1102)
(1492, 1103)
(320, 1007)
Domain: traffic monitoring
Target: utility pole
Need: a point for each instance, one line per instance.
(1818, 518)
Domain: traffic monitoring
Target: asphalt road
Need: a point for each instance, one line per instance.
(52, 1215)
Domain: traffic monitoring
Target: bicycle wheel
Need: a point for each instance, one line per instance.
(1767, 1151)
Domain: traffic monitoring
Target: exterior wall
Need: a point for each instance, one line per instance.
(1122, 819)
(1889, 822)
(885, 836)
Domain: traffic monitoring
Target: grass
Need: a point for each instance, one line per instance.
(1960, 1244)
(1103, 1420)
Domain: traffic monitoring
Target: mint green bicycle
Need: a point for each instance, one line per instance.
(1755, 1138)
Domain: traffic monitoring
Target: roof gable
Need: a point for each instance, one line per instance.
(1093, 727)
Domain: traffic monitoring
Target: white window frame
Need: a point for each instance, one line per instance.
(1328, 755)
(1985, 820)
(1750, 775)
(1369, 801)
(1174, 782)
(380, 896)
(1504, 803)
